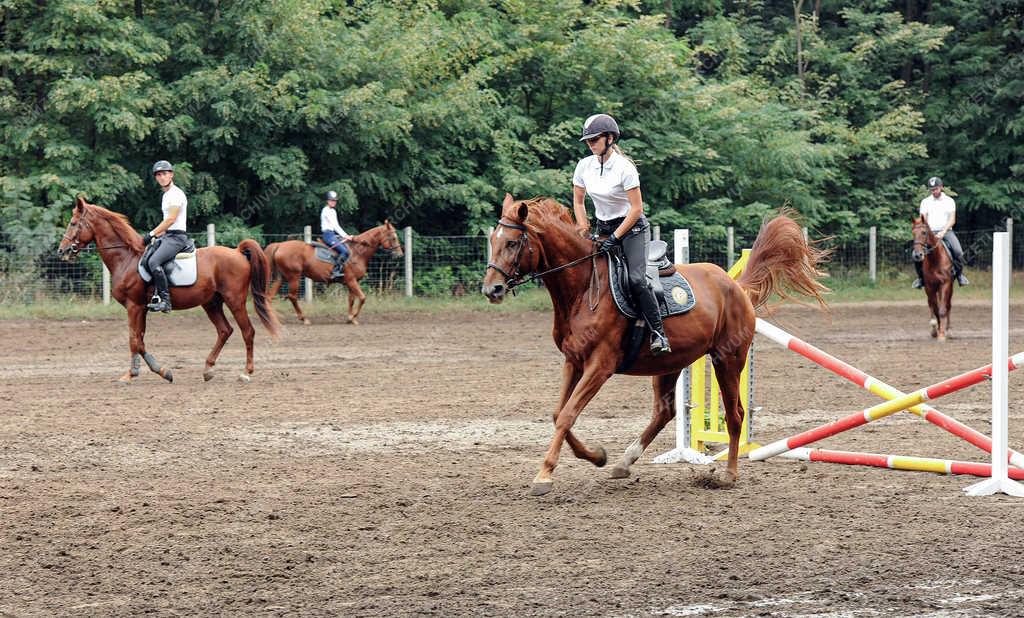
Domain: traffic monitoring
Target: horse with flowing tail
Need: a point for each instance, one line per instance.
(225, 276)
(538, 236)
(292, 259)
(937, 268)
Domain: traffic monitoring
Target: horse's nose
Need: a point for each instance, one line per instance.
(494, 292)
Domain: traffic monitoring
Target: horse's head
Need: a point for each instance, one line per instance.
(390, 241)
(512, 256)
(924, 239)
(79, 233)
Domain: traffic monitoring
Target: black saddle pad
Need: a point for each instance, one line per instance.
(675, 296)
(323, 252)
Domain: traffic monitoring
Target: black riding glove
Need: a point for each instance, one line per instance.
(609, 243)
(146, 239)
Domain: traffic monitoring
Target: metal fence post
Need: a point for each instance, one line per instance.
(730, 246)
(106, 285)
(211, 235)
(873, 254)
(408, 261)
(307, 235)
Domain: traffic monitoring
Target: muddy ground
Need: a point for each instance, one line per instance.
(383, 470)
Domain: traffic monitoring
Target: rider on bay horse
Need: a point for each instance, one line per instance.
(939, 211)
(169, 234)
(331, 232)
(611, 180)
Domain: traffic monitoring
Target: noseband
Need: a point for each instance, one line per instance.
(926, 248)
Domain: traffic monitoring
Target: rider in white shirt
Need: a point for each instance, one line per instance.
(939, 211)
(330, 229)
(170, 234)
(611, 180)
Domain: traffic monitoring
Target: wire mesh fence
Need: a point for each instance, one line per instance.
(31, 271)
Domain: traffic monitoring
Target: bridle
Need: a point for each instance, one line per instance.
(926, 248)
(516, 279)
(380, 245)
(76, 246)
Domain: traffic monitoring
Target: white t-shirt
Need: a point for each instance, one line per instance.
(938, 211)
(607, 187)
(174, 196)
(329, 221)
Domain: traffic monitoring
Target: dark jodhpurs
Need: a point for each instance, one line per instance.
(170, 245)
(634, 251)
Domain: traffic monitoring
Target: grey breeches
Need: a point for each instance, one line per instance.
(170, 245)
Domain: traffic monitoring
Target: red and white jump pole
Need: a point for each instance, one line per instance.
(880, 388)
(882, 410)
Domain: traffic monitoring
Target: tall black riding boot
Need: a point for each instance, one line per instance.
(161, 293)
(649, 309)
(919, 282)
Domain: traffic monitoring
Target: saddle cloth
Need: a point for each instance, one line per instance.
(673, 292)
(182, 271)
(326, 254)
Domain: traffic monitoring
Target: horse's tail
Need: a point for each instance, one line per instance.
(782, 262)
(258, 281)
(271, 252)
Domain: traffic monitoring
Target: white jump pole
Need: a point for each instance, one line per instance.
(682, 452)
(1000, 481)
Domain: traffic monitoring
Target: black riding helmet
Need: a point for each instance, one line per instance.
(331, 195)
(599, 124)
(934, 181)
(162, 166)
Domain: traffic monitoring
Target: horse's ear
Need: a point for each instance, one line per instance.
(507, 201)
(524, 212)
(80, 203)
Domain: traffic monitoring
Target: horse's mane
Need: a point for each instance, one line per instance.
(120, 224)
(546, 210)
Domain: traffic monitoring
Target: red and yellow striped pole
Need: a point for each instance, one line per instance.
(880, 388)
(882, 410)
(898, 462)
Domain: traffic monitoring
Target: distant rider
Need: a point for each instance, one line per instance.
(170, 234)
(330, 229)
(939, 212)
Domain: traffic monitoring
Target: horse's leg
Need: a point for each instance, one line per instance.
(728, 368)
(598, 456)
(354, 288)
(934, 308)
(293, 295)
(942, 303)
(136, 335)
(237, 307)
(137, 326)
(595, 374)
(664, 411)
(215, 311)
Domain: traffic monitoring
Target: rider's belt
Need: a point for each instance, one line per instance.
(604, 228)
(182, 232)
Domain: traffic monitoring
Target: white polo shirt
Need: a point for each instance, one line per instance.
(329, 222)
(938, 211)
(607, 187)
(174, 196)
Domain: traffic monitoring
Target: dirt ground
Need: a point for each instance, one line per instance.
(383, 470)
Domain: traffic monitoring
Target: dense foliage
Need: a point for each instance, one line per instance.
(428, 111)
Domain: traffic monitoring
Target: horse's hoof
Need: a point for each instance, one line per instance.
(539, 489)
(244, 378)
(306, 321)
(166, 374)
(207, 376)
(620, 472)
(124, 381)
(602, 457)
(941, 338)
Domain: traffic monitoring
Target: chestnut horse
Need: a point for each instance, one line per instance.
(225, 276)
(937, 266)
(539, 235)
(292, 259)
